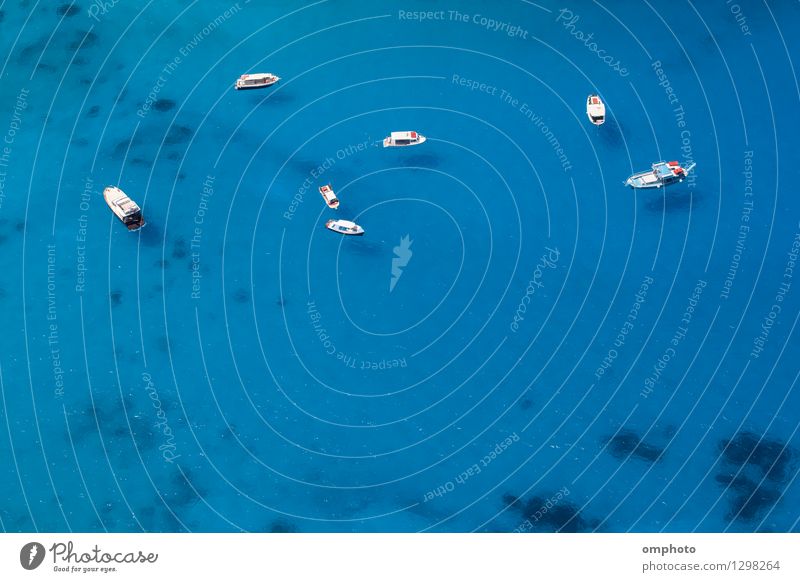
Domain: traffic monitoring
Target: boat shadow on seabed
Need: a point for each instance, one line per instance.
(612, 133)
(673, 199)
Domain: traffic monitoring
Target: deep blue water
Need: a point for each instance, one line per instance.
(235, 366)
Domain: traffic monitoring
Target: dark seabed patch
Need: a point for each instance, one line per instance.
(627, 444)
(558, 517)
(33, 51)
(178, 134)
(669, 431)
(68, 10)
(163, 343)
(164, 105)
(158, 517)
(241, 296)
(93, 111)
(772, 457)
(281, 526)
(122, 147)
(83, 40)
(303, 167)
(46, 68)
(754, 471)
(180, 249)
(749, 500)
(141, 431)
(105, 412)
(184, 489)
(116, 298)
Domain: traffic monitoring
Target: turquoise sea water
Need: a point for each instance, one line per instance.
(547, 350)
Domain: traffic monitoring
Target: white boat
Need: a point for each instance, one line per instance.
(256, 81)
(403, 138)
(124, 208)
(595, 110)
(661, 174)
(344, 227)
(329, 196)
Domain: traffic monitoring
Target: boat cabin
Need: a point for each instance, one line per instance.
(404, 137)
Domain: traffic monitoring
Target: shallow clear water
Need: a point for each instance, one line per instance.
(552, 351)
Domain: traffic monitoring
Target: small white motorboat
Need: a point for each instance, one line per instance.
(124, 208)
(344, 227)
(329, 196)
(595, 110)
(256, 81)
(661, 174)
(403, 138)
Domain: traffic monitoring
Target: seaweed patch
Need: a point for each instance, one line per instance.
(754, 472)
(549, 513)
(771, 457)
